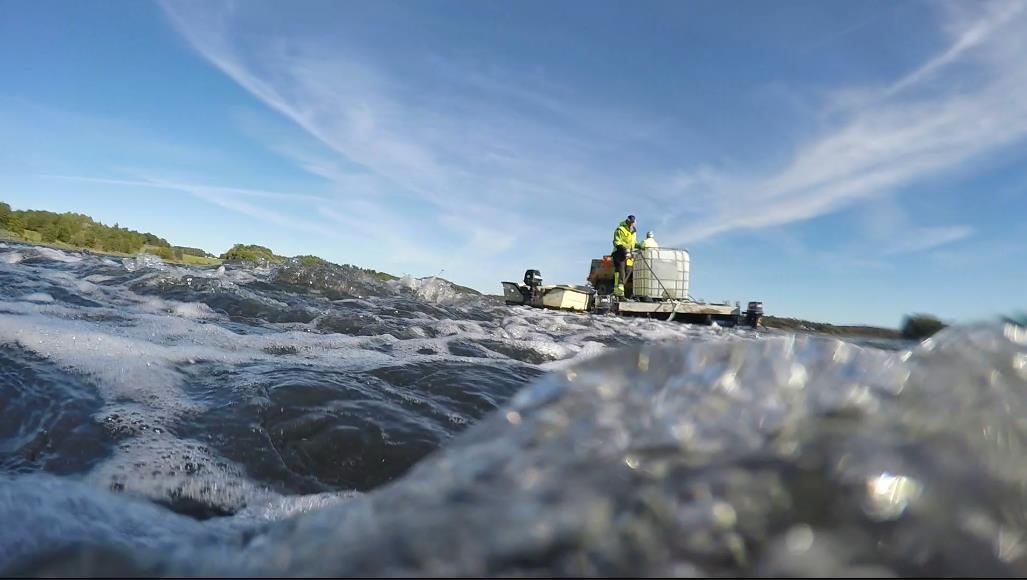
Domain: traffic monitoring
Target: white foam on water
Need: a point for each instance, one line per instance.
(166, 334)
(156, 305)
(131, 419)
(11, 257)
(550, 339)
(138, 369)
(57, 255)
(585, 351)
(143, 261)
(122, 357)
(164, 468)
(121, 367)
(430, 289)
(196, 310)
(273, 509)
(714, 393)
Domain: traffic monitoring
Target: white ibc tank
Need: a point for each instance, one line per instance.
(661, 273)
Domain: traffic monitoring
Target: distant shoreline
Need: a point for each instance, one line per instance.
(9, 236)
(50, 229)
(775, 322)
(238, 253)
(795, 324)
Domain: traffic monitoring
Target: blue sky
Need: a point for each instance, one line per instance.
(845, 162)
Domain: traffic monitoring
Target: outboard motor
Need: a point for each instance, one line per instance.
(533, 281)
(753, 314)
(532, 278)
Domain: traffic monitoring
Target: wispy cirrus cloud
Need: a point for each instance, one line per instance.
(909, 130)
(330, 219)
(237, 199)
(497, 161)
(464, 152)
(927, 238)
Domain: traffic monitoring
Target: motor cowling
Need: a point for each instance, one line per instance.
(532, 278)
(753, 314)
(532, 289)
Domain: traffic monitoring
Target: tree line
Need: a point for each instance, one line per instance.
(82, 231)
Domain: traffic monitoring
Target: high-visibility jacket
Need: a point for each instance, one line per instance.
(649, 243)
(623, 237)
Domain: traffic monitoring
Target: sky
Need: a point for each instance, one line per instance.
(843, 162)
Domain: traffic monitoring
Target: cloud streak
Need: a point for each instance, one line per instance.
(481, 163)
(474, 160)
(896, 137)
(340, 223)
(923, 239)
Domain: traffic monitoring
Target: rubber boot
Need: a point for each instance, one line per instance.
(618, 288)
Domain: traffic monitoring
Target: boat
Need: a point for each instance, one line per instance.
(657, 286)
(556, 297)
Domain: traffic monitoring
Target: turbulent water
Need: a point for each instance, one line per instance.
(312, 420)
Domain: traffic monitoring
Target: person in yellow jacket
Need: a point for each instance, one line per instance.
(649, 242)
(623, 244)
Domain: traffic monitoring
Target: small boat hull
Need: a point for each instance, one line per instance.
(513, 293)
(566, 298)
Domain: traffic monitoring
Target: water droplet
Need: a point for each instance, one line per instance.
(1009, 544)
(798, 376)
(684, 431)
(643, 361)
(888, 496)
(799, 539)
(1015, 333)
(724, 514)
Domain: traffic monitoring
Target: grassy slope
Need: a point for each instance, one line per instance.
(33, 238)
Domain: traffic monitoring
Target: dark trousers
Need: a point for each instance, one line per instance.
(620, 257)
